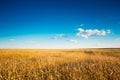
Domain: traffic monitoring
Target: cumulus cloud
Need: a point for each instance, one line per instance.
(58, 36)
(73, 41)
(91, 32)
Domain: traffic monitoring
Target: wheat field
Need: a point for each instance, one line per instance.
(69, 64)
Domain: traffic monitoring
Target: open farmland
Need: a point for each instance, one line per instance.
(71, 64)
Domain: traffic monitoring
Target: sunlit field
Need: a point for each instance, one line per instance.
(72, 64)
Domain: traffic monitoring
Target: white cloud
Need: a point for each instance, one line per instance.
(91, 32)
(58, 36)
(73, 41)
(108, 31)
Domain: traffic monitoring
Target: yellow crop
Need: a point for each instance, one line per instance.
(73, 64)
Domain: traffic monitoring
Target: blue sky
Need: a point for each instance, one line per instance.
(59, 23)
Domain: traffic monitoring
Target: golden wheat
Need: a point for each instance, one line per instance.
(74, 64)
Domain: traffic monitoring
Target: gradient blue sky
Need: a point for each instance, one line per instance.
(55, 23)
